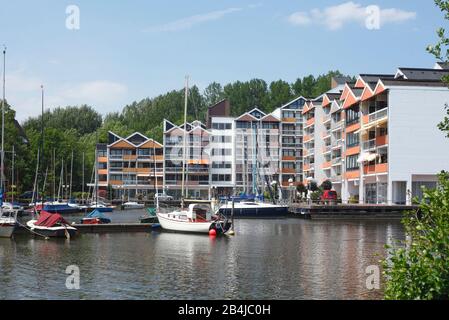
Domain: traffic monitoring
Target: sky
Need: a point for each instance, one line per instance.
(109, 53)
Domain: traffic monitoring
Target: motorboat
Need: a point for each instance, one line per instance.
(252, 209)
(13, 207)
(100, 206)
(196, 219)
(96, 217)
(8, 223)
(52, 225)
(57, 207)
(131, 205)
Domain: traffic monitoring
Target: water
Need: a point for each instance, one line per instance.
(268, 259)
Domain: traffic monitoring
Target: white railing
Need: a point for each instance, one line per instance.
(378, 115)
(369, 145)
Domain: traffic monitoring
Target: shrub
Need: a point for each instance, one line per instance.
(419, 267)
(327, 185)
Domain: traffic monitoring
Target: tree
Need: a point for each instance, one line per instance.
(213, 94)
(326, 185)
(441, 52)
(280, 93)
(418, 268)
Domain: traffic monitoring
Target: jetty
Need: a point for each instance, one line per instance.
(349, 211)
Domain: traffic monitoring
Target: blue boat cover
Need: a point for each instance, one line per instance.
(97, 214)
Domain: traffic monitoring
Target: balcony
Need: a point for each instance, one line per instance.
(375, 169)
(310, 122)
(327, 149)
(327, 165)
(336, 161)
(337, 144)
(374, 143)
(376, 116)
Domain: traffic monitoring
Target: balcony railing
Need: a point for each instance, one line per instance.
(337, 143)
(369, 145)
(336, 161)
(378, 115)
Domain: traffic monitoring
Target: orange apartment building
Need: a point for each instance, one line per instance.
(132, 167)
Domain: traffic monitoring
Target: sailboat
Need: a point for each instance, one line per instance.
(198, 217)
(8, 219)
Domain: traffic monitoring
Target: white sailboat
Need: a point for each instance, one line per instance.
(8, 219)
(198, 217)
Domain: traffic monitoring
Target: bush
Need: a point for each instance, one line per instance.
(316, 196)
(301, 188)
(419, 267)
(327, 185)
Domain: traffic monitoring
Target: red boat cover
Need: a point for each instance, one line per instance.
(49, 220)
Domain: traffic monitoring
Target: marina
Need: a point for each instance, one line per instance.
(267, 259)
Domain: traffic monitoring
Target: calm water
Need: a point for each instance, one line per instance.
(270, 259)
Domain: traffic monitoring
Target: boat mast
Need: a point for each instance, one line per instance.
(42, 135)
(184, 141)
(60, 179)
(71, 177)
(82, 183)
(35, 178)
(155, 177)
(12, 174)
(3, 126)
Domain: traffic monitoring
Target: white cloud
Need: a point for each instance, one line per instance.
(23, 93)
(189, 22)
(335, 17)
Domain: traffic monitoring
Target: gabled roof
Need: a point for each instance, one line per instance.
(190, 126)
(285, 106)
(270, 118)
(421, 74)
(329, 97)
(246, 117)
(335, 106)
(256, 111)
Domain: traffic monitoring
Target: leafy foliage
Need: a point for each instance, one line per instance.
(419, 267)
(441, 51)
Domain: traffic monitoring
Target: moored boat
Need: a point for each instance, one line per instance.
(197, 219)
(52, 225)
(150, 217)
(131, 205)
(101, 206)
(8, 224)
(249, 209)
(96, 217)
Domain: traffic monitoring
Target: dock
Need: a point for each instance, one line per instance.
(339, 211)
(105, 228)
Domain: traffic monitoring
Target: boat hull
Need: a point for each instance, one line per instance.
(7, 230)
(53, 232)
(174, 225)
(105, 209)
(272, 212)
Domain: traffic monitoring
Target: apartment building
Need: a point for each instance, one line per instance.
(197, 165)
(291, 142)
(237, 154)
(384, 144)
(131, 166)
(222, 151)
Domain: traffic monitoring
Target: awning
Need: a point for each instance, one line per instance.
(367, 157)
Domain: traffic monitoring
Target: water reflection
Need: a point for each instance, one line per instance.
(285, 259)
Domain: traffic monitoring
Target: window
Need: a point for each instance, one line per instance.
(352, 115)
(116, 152)
(102, 153)
(116, 177)
(144, 152)
(351, 163)
(289, 153)
(102, 165)
(221, 177)
(221, 152)
(289, 165)
(222, 126)
(352, 140)
(222, 139)
(221, 165)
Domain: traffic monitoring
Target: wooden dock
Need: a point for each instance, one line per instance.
(105, 228)
(315, 211)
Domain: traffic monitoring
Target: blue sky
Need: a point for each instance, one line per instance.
(128, 50)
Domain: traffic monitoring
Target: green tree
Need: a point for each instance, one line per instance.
(213, 94)
(441, 51)
(418, 267)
